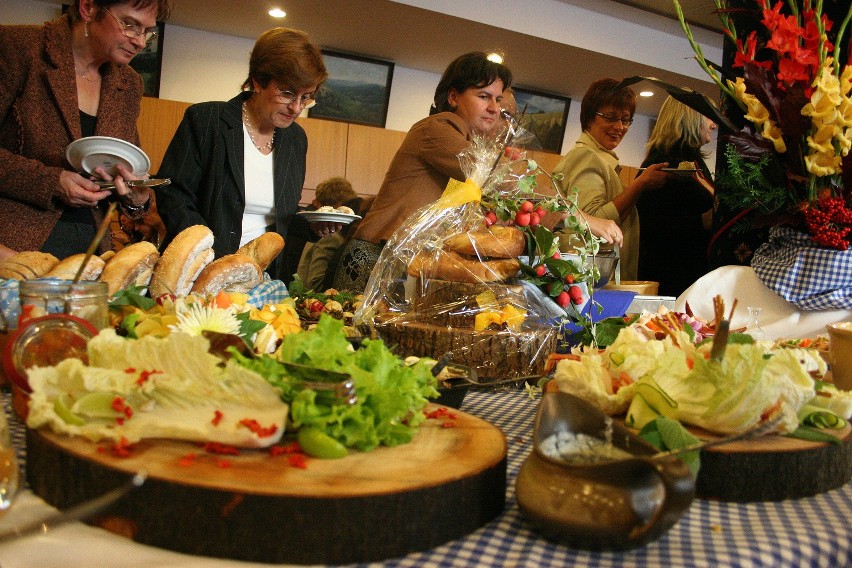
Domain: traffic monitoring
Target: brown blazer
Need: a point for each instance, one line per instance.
(418, 174)
(40, 116)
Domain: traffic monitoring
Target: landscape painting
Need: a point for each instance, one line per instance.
(357, 90)
(545, 116)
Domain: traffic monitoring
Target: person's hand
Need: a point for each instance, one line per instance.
(653, 176)
(323, 228)
(135, 196)
(606, 229)
(76, 191)
(6, 252)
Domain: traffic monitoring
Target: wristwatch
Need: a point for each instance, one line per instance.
(135, 211)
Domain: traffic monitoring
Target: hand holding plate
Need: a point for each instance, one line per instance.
(323, 228)
(76, 191)
(135, 196)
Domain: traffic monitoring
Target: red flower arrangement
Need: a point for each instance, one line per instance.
(791, 157)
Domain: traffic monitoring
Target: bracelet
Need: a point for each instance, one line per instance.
(135, 211)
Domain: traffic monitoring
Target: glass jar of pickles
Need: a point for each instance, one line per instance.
(86, 300)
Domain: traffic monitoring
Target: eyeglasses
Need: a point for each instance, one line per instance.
(610, 119)
(134, 31)
(289, 97)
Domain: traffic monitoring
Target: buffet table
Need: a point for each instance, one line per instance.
(805, 532)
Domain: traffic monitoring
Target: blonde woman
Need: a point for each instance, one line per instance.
(676, 217)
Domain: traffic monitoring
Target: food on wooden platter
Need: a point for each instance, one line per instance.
(717, 387)
(191, 387)
(156, 388)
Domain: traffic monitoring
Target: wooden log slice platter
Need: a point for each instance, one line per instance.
(369, 506)
(773, 468)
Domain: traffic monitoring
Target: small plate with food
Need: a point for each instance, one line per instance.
(330, 214)
(88, 154)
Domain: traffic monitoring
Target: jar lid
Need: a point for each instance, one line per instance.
(45, 341)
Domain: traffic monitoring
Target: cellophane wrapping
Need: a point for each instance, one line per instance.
(437, 288)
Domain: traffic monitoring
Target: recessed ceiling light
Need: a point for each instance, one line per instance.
(495, 57)
(277, 13)
(646, 94)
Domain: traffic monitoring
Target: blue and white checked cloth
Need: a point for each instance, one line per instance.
(812, 532)
(804, 274)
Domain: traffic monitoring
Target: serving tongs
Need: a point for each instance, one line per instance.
(153, 182)
(452, 375)
(339, 384)
(79, 512)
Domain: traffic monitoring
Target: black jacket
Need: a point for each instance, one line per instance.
(205, 163)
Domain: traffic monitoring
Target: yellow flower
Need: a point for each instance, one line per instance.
(822, 140)
(822, 164)
(846, 81)
(772, 133)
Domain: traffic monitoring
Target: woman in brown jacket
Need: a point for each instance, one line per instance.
(60, 82)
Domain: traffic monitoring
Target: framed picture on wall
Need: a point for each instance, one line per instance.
(147, 62)
(357, 90)
(545, 116)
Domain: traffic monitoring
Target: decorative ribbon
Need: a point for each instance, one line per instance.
(458, 193)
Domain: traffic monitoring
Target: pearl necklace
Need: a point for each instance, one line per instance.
(268, 145)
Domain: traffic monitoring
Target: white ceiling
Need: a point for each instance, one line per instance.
(427, 40)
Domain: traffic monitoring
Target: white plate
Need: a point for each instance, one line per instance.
(675, 171)
(318, 217)
(87, 154)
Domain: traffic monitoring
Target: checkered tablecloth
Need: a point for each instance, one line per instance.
(812, 532)
(794, 533)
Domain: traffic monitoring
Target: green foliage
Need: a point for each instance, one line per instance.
(747, 185)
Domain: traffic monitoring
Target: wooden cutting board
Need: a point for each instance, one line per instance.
(446, 483)
(773, 468)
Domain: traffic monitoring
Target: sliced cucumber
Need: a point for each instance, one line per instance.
(656, 398)
(62, 407)
(640, 413)
(96, 405)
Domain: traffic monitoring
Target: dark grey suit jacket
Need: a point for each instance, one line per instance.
(205, 163)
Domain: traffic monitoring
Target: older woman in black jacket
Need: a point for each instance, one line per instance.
(239, 166)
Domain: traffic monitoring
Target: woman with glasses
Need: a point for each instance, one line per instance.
(606, 114)
(59, 82)
(238, 166)
(676, 218)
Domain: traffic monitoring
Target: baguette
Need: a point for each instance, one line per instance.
(131, 266)
(494, 242)
(68, 267)
(231, 273)
(263, 249)
(182, 262)
(454, 267)
(28, 264)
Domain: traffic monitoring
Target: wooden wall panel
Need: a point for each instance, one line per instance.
(369, 153)
(326, 150)
(158, 120)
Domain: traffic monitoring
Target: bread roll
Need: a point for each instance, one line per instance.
(232, 273)
(454, 267)
(131, 266)
(68, 267)
(263, 249)
(182, 262)
(28, 264)
(494, 242)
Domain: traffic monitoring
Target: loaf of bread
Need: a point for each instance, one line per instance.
(182, 262)
(131, 266)
(27, 264)
(455, 267)
(231, 273)
(494, 242)
(263, 249)
(68, 267)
